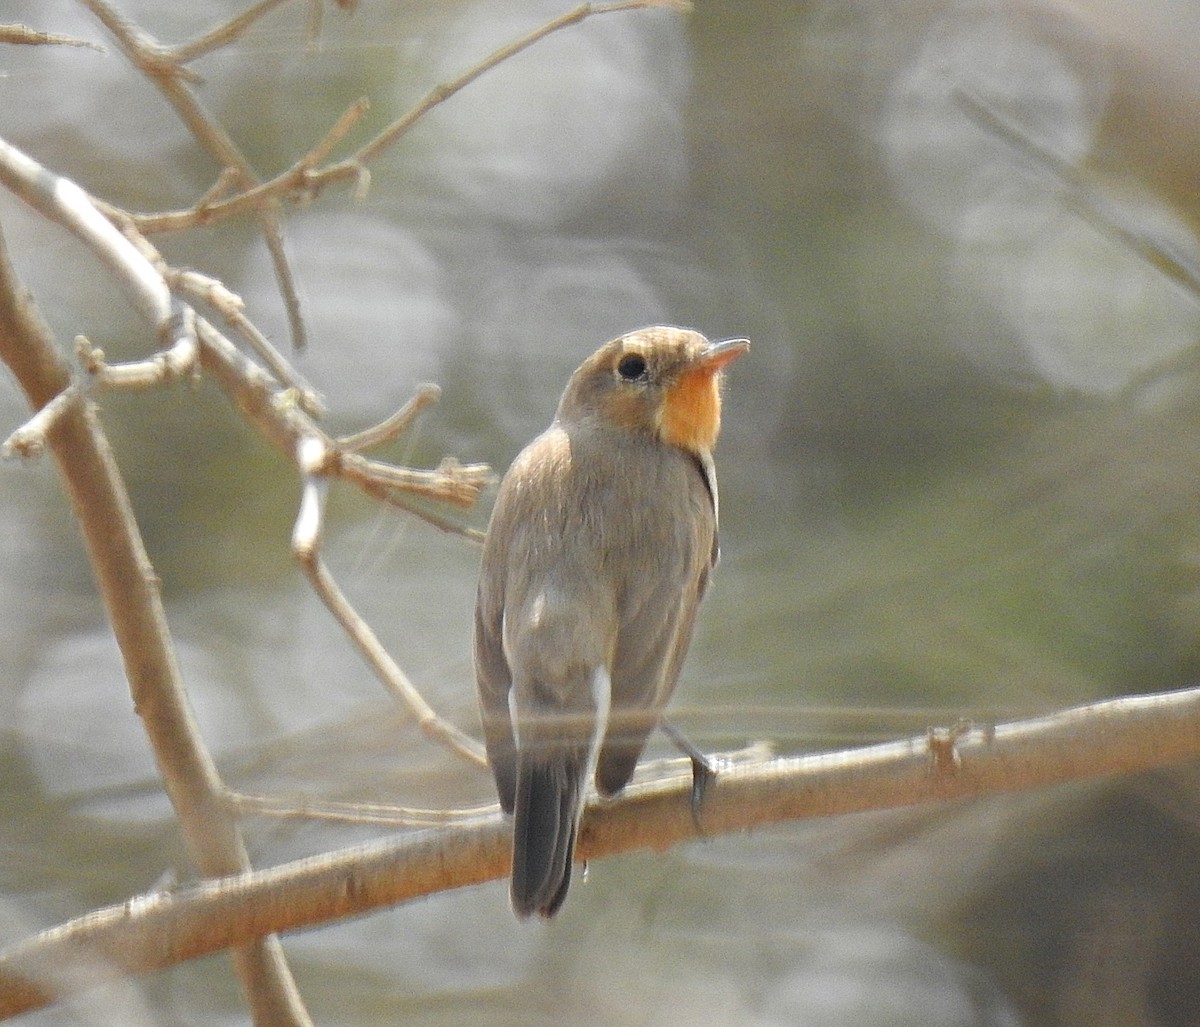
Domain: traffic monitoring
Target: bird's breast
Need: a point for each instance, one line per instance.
(592, 509)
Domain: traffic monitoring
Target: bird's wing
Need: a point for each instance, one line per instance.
(708, 470)
(493, 679)
(547, 670)
(529, 625)
(654, 637)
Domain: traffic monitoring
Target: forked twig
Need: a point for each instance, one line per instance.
(231, 307)
(315, 459)
(274, 410)
(155, 61)
(305, 179)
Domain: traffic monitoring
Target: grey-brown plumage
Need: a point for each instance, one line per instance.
(597, 556)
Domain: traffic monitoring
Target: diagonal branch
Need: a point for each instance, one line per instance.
(306, 546)
(280, 415)
(224, 34)
(1118, 736)
(305, 179)
(155, 62)
(129, 588)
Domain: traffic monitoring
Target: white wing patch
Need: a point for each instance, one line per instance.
(602, 701)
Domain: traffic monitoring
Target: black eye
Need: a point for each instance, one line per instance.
(631, 367)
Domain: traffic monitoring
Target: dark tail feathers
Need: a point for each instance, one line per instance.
(549, 796)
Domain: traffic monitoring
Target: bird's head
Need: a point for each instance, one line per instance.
(665, 381)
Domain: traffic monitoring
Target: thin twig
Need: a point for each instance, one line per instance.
(350, 117)
(178, 361)
(303, 178)
(394, 426)
(306, 547)
(278, 414)
(441, 93)
(154, 61)
(22, 34)
(455, 483)
(231, 308)
(29, 439)
(1082, 191)
(224, 34)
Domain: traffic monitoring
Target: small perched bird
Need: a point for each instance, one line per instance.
(598, 553)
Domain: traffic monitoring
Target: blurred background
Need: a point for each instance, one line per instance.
(958, 478)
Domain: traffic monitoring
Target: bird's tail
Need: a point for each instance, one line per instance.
(549, 798)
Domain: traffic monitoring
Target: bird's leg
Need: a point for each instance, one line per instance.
(703, 769)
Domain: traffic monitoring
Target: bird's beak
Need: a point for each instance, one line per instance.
(718, 354)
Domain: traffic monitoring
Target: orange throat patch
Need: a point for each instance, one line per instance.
(691, 412)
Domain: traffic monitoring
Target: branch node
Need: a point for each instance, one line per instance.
(362, 182)
(314, 456)
(396, 425)
(943, 747)
(28, 441)
(179, 360)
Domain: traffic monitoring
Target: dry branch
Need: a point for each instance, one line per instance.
(278, 413)
(157, 64)
(304, 179)
(151, 932)
(66, 421)
(129, 588)
(22, 34)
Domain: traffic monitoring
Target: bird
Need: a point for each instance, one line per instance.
(598, 552)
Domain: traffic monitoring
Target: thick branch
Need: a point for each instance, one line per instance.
(61, 200)
(1119, 736)
(129, 588)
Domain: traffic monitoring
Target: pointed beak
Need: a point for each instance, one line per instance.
(719, 354)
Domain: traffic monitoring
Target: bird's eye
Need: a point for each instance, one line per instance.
(631, 367)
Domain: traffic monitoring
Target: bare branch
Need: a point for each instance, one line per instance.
(156, 63)
(230, 306)
(190, 777)
(394, 426)
(306, 547)
(29, 440)
(129, 588)
(304, 179)
(1120, 736)
(224, 34)
(31, 37)
(276, 412)
(168, 365)
(61, 200)
(441, 93)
